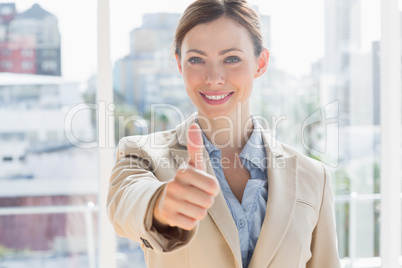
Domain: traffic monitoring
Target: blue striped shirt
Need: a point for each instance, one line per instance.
(249, 214)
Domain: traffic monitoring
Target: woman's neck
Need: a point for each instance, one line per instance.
(228, 133)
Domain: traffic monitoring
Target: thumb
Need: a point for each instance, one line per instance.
(195, 147)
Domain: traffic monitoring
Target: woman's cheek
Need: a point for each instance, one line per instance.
(238, 77)
(193, 77)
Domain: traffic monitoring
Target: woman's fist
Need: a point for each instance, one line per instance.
(185, 199)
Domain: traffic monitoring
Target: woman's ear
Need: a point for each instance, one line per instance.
(178, 63)
(262, 62)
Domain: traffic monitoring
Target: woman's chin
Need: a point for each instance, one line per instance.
(213, 114)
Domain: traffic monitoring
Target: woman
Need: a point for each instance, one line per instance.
(218, 190)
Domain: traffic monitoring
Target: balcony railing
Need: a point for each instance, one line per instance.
(90, 208)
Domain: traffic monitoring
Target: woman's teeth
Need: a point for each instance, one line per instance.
(216, 97)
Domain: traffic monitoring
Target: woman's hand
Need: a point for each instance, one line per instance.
(186, 198)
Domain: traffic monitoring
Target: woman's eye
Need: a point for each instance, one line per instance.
(232, 60)
(195, 60)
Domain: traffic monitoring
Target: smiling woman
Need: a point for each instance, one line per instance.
(231, 196)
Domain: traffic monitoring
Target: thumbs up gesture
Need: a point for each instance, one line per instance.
(185, 199)
(195, 147)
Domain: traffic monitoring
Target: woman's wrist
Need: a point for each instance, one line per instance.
(157, 221)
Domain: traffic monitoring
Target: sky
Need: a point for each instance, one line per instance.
(297, 29)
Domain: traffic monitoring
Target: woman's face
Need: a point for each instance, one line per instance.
(219, 66)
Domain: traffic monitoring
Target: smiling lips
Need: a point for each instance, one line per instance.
(216, 97)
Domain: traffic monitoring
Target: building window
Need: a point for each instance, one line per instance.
(49, 54)
(6, 10)
(6, 64)
(5, 52)
(6, 136)
(49, 66)
(26, 53)
(7, 158)
(27, 65)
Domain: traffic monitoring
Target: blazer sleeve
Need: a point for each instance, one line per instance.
(132, 194)
(324, 245)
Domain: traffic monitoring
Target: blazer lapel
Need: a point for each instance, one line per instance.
(282, 196)
(219, 211)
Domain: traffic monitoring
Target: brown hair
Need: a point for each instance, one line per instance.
(203, 11)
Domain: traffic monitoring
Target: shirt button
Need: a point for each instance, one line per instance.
(241, 224)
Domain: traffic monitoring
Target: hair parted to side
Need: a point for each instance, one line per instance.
(203, 11)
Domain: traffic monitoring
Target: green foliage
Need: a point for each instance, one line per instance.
(5, 251)
(342, 212)
(377, 206)
(122, 115)
(124, 121)
(376, 177)
(90, 98)
(342, 181)
(161, 120)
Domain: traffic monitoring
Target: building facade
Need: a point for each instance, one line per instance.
(29, 41)
(39, 163)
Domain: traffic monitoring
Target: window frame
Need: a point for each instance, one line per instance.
(106, 234)
(390, 110)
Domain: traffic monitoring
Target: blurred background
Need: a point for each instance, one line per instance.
(323, 80)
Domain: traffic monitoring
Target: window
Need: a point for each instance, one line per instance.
(26, 53)
(6, 64)
(43, 169)
(7, 159)
(27, 65)
(7, 10)
(5, 52)
(324, 61)
(49, 65)
(48, 54)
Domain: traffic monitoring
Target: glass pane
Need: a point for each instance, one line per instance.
(351, 77)
(48, 158)
(320, 95)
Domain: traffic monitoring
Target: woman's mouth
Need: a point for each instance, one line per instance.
(216, 99)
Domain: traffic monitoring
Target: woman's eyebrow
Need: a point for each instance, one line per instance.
(229, 50)
(220, 53)
(196, 51)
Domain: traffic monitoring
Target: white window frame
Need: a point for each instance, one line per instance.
(107, 236)
(390, 68)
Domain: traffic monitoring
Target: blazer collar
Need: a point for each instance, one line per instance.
(282, 192)
(181, 130)
(282, 197)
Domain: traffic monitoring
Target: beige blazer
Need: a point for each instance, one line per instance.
(298, 229)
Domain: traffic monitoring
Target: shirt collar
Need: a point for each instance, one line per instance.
(211, 149)
(254, 150)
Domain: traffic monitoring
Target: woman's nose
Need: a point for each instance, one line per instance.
(215, 76)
